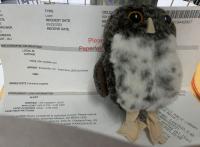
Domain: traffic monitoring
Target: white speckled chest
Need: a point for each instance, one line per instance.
(144, 80)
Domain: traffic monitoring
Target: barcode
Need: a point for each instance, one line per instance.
(20, 46)
(30, 93)
(184, 13)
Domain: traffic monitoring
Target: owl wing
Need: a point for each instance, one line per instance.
(100, 78)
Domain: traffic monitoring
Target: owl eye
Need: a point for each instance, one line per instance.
(167, 19)
(136, 17)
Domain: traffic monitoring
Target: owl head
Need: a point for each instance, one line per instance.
(138, 21)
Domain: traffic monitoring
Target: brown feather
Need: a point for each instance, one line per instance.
(100, 79)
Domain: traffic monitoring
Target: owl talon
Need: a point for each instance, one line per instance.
(130, 128)
(133, 125)
(154, 128)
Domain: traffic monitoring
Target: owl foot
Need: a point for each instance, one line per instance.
(154, 129)
(133, 125)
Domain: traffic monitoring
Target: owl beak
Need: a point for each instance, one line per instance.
(150, 26)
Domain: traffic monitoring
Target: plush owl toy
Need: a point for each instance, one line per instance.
(139, 69)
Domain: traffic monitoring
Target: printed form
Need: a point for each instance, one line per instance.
(48, 54)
